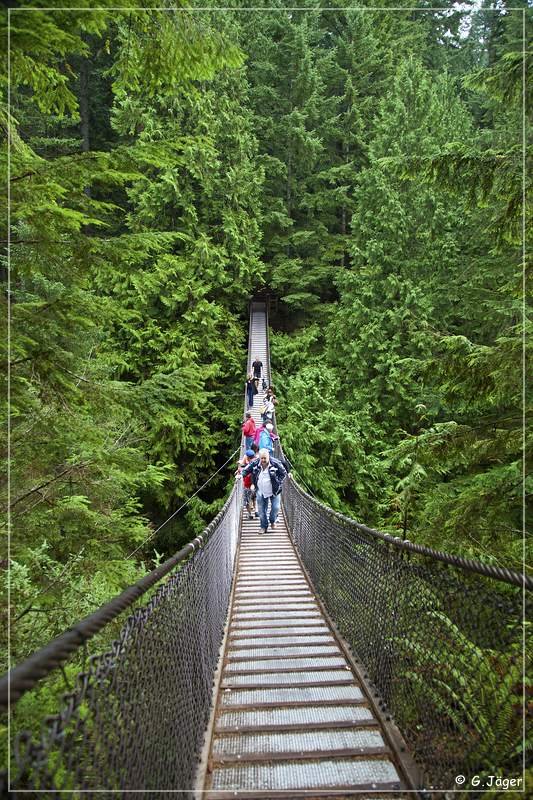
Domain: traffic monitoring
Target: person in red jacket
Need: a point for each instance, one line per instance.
(248, 429)
(248, 498)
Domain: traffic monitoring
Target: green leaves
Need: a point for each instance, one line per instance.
(414, 204)
(41, 42)
(135, 245)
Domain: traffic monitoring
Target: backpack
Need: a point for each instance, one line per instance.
(265, 440)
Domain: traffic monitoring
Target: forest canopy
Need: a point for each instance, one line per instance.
(365, 169)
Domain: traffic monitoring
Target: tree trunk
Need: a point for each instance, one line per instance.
(343, 210)
(84, 105)
(84, 110)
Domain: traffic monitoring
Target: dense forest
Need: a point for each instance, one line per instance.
(362, 167)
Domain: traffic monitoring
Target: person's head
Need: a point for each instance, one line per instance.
(250, 454)
(254, 447)
(248, 415)
(250, 376)
(264, 456)
(269, 427)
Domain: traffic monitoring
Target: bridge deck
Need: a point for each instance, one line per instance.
(291, 716)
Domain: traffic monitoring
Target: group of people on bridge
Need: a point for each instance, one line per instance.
(261, 473)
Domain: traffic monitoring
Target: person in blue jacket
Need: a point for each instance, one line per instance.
(265, 438)
(268, 475)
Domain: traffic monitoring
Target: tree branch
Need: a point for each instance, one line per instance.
(46, 483)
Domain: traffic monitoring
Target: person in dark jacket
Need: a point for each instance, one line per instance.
(251, 389)
(257, 367)
(268, 475)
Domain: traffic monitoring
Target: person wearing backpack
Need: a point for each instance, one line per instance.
(248, 498)
(268, 408)
(248, 429)
(251, 389)
(265, 438)
(268, 475)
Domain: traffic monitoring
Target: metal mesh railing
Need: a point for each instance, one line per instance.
(440, 638)
(138, 715)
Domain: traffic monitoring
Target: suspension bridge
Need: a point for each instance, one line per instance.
(323, 659)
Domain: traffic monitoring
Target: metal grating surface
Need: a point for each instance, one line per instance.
(288, 678)
(278, 614)
(271, 625)
(273, 588)
(269, 575)
(286, 681)
(285, 605)
(286, 663)
(272, 549)
(253, 568)
(311, 774)
(296, 742)
(291, 580)
(285, 652)
(273, 604)
(267, 557)
(256, 564)
(304, 694)
(284, 638)
(295, 716)
(244, 595)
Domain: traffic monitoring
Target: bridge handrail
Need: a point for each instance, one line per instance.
(24, 676)
(441, 638)
(503, 574)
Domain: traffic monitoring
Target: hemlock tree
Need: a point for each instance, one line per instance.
(193, 259)
(90, 461)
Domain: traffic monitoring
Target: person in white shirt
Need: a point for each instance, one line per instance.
(268, 475)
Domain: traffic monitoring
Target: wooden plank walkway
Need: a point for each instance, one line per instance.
(291, 718)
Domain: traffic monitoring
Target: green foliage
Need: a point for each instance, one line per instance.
(130, 267)
(420, 362)
(367, 167)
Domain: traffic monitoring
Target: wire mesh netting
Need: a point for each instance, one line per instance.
(138, 715)
(441, 641)
(442, 646)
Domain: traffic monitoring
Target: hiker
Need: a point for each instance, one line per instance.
(258, 431)
(248, 429)
(251, 389)
(265, 438)
(268, 475)
(270, 395)
(248, 498)
(257, 366)
(267, 409)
